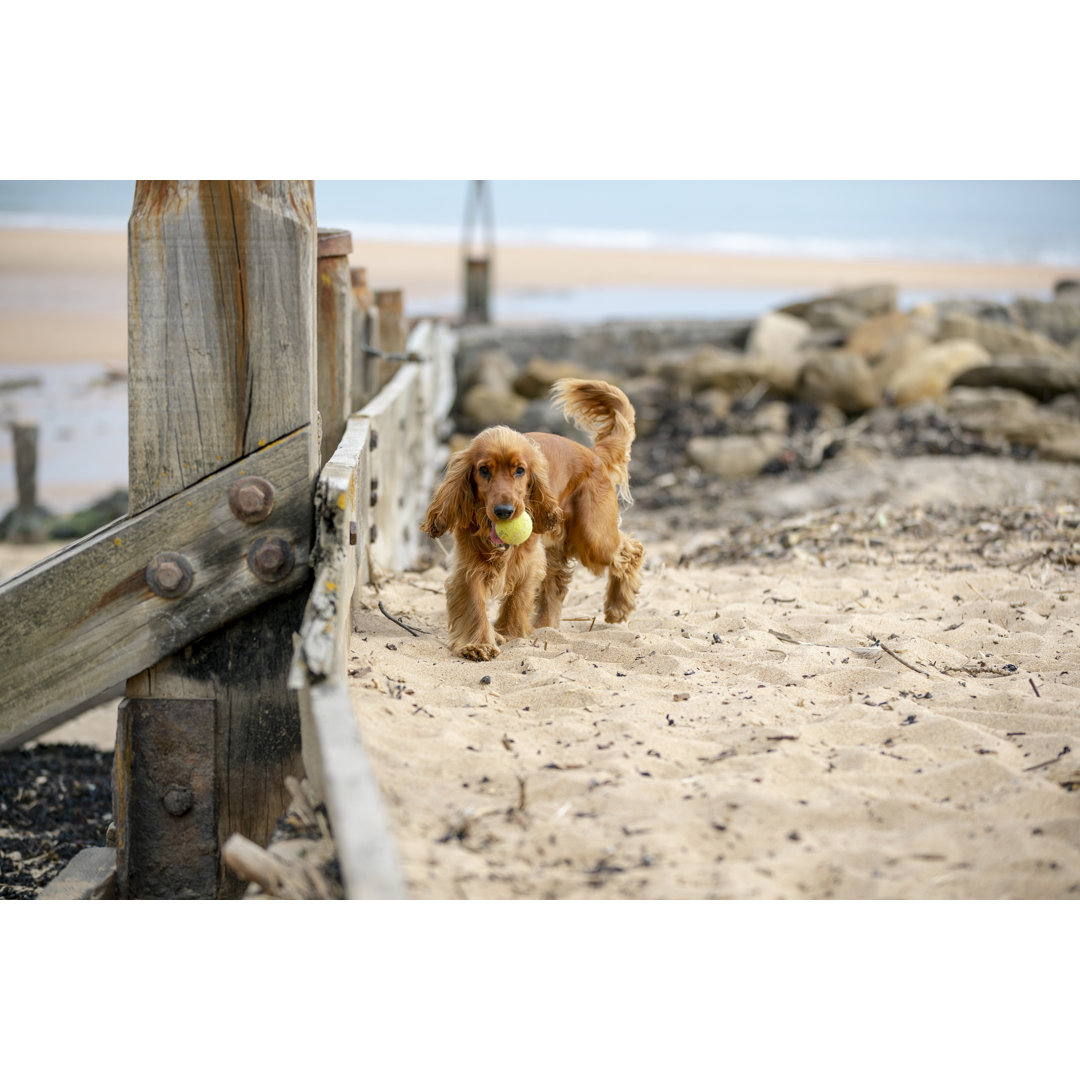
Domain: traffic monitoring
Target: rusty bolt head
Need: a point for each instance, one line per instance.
(353, 531)
(169, 575)
(251, 499)
(270, 558)
(178, 800)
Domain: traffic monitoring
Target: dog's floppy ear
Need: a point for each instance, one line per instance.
(453, 504)
(541, 504)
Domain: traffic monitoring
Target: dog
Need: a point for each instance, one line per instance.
(572, 494)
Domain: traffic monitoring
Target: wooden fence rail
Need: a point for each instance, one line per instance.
(225, 597)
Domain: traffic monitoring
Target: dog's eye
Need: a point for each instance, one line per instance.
(520, 470)
(485, 472)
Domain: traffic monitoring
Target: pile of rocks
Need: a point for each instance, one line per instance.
(792, 388)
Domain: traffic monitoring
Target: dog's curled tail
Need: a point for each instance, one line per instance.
(605, 414)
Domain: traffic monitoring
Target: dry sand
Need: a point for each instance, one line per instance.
(743, 736)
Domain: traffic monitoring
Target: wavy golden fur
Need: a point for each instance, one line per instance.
(571, 492)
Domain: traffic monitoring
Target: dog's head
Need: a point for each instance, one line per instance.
(500, 474)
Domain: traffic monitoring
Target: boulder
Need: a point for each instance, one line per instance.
(539, 375)
(773, 349)
(491, 367)
(841, 378)
(1056, 319)
(735, 457)
(999, 339)
(926, 374)
(1067, 290)
(1014, 417)
(486, 405)
(1041, 377)
(860, 303)
(872, 338)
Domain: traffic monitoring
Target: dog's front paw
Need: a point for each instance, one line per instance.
(477, 652)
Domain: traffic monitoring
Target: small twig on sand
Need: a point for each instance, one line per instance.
(1042, 764)
(414, 632)
(1034, 687)
(899, 659)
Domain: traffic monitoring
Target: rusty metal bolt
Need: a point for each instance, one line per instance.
(353, 531)
(178, 800)
(374, 490)
(271, 558)
(251, 499)
(169, 575)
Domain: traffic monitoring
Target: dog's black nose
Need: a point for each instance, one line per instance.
(504, 511)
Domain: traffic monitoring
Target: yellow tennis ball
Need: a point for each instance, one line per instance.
(516, 531)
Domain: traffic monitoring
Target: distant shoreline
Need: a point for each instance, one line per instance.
(63, 294)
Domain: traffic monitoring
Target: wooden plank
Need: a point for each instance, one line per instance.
(342, 510)
(342, 777)
(84, 619)
(221, 325)
(393, 463)
(91, 875)
(335, 338)
(334, 759)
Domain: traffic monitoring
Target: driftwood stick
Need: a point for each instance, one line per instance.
(414, 632)
(899, 659)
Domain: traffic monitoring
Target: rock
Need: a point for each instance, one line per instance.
(773, 349)
(1041, 377)
(717, 401)
(492, 367)
(862, 302)
(719, 369)
(872, 339)
(1062, 446)
(770, 416)
(841, 378)
(735, 457)
(539, 375)
(1067, 290)
(987, 310)
(1013, 416)
(991, 411)
(1056, 319)
(999, 339)
(487, 405)
(926, 374)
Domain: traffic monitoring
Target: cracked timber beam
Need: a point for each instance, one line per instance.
(222, 326)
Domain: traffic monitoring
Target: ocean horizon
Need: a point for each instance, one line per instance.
(985, 221)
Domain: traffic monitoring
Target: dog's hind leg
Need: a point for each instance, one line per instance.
(553, 588)
(624, 579)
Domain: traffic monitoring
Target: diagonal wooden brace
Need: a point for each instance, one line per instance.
(119, 600)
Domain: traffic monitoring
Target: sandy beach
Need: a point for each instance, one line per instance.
(882, 707)
(63, 294)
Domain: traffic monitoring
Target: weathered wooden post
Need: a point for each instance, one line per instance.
(27, 523)
(365, 332)
(478, 267)
(335, 337)
(222, 376)
(393, 331)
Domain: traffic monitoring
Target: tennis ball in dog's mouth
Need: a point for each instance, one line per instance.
(516, 531)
